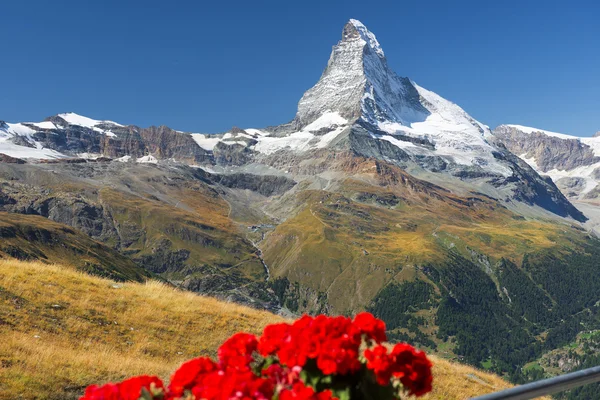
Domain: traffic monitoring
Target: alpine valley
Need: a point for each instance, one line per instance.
(378, 195)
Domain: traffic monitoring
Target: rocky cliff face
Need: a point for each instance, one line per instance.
(573, 163)
(71, 135)
(549, 152)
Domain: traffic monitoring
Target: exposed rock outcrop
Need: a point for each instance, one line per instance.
(548, 152)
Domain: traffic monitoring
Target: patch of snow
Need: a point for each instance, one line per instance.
(205, 141)
(107, 133)
(530, 130)
(531, 161)
(19, 129)
(89, 156)
(297, 141)
(329, 137)
(304, 139)
(585, 172)
(149, 159)
(80, 120)
(207, 169)
(257, 132)
(326, 120)
(403, 144)
(232, 142)
(593, 142)
(124, 159)
(38, 152)
(44, 125)
(9, 131)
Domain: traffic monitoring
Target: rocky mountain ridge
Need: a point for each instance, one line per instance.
(572, 162)
(358, 105)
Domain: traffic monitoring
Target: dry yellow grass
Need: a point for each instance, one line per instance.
(456, 381)
(61, 330)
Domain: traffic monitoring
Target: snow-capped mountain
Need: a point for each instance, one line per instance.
(28, 139)
(71, 135)
(358, 106)
(572, 162)
(358, 85)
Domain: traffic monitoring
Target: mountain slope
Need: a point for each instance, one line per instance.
(54, 318)
(29, 237)
(572, 162)
(168, 220)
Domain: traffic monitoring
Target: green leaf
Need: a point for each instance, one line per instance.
(146, 395)
(342, 393)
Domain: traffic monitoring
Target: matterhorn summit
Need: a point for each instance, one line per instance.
(359, 86)
(358, 83)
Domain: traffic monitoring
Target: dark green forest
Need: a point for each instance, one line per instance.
(504, 317)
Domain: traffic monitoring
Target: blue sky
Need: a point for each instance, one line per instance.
(205, 66)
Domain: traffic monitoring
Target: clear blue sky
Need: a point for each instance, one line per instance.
(205, 66)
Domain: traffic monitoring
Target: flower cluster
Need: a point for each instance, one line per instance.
(314, 358)
(333, 342)
(405, 363)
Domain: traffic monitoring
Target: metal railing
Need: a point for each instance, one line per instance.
(546, 386)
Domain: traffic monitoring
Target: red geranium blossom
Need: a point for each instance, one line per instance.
(110, 391)
(190, 374)
(300, 391)
(381, 363)
(374, 328)
(129, 389)
(413, 368)
(236, 352)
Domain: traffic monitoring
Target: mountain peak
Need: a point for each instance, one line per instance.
(354, 29)
(75, 119)
(357, 81)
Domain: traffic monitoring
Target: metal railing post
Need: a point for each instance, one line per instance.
(546, 386)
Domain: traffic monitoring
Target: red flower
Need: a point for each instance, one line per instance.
(331, 341)
(234, 385)
(282, 376)
(370, 326)
(110, 391)
(131, 389)
(190, 374)
(381, 363)
(274, 337)
(300, 391)
(413, 368)
(236, 352)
